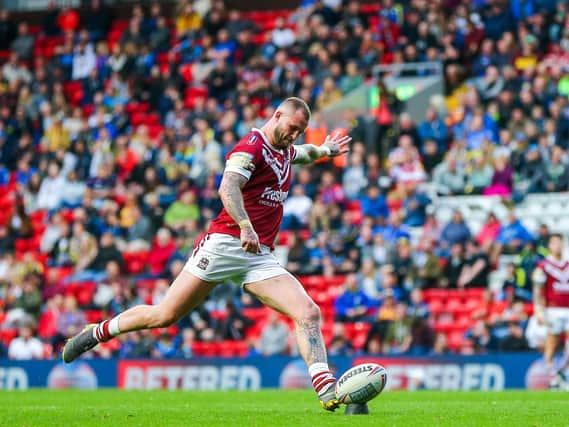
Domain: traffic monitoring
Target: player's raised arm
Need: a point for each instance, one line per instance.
(335, 144)
(232, 198)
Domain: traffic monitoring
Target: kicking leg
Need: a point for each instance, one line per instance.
(286, 295)
(186, 292)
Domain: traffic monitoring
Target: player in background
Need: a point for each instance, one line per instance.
(551, 305)
(239, 243)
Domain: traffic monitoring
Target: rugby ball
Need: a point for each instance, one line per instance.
(361, 383)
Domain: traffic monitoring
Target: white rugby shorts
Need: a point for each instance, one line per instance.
(220, 258)
(557, 320)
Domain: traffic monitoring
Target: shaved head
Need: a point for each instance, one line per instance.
(293, 104)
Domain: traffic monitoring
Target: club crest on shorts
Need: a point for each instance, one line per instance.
(203, 263)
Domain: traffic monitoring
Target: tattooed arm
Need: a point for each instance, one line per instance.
(232, 199)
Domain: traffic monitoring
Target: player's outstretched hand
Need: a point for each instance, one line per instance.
(250, 240)
(337, 143)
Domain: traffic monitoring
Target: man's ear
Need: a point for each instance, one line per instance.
(278, 114)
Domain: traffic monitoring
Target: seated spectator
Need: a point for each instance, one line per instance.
(512, 236)
(71, 320)
(515, 341)
(339, 345)
(282, 37)
(23, 44)
(82, 247)
(502, 180)
(455, 231)
(489, 232)
(428, 265)
(369, 280)
(52, 188)
(165, 348)
(25, 346)
(435, 129)
(353, 304)
(448, 177)
(182, 210)
(296, 209)
(417, 307)
(403, 265)
(415, 206)
(139, 234)
(162, 248)
(185, 348)
(234, 325)
(274, 337)
(482, 338)
(453, 266)
(440, 345)
(475, 269)
(30, 299)
(329, 94)
(398, 336)
(354, 179)
(374, 204)
(107, 252)
(352, 78)
(478, 176)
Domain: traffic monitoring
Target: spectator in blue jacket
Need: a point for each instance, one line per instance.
(512, 236)
(434, 128)
(374, 203)
(455, 231)
(415, 207)
(353, 305)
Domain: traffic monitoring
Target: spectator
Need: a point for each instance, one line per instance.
(415, 206)
(339, 344)
(25, 346)
(353, 304)
(354, 179)
(274, 337)
(428, 265)
(162, 249)
(489, 232)
(181, 211)
(23, 44)
(453, 266)
(352, 79)
(329, 94)
(476, 268)
(434, 128)
(512, 236)
(165, 348)
(7, 30)
(455, 231)
(374, 204)
(515, 340)
(448, 177)
(234, 325)
(297, 209)
(107, 252)
(71, 320)
(398, 337)
(282, 37)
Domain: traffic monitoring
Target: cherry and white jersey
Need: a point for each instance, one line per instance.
(265, 192)
(555, 276)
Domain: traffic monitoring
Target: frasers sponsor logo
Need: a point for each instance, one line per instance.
(470, 376)
(274, 195)
(13, 379)
(191, 378)
(364, 368)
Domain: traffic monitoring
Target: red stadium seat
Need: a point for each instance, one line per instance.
(8, 335)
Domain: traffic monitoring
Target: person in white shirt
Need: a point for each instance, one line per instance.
(84, 61)
(25, 346)
(297, 207)
(281, 36)
(51, 189)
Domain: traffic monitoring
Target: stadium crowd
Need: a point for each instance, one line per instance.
(113, 135)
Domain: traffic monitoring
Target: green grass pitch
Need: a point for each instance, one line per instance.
(278, 408)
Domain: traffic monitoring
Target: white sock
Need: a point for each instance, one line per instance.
(322, 378)
(107, 329)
